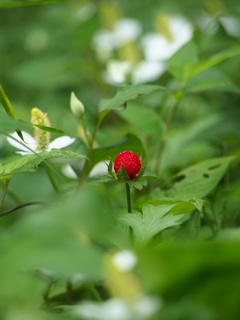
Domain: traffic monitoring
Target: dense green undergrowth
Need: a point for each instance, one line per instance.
(72, 245)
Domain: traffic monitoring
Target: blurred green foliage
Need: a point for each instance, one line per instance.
(56, 231)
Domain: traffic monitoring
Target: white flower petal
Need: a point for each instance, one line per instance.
(148, 71)
(117, 71)
(126, 30)
(125, 260)
(157, 47)
(60, 143)
(25, 153)
(104, 39)
(99, 169)
(30, 142)
(69, 172)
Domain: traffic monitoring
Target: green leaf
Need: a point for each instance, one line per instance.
(7, 104)
(138, 184)
(182, 60)
(125, 94)
(1, 168)
(212, 79)
(44, 128)
(214, 60)
(103, 179)
(129, 142)
(122, 175)
(143, 119)
(180, 206)
(14, 3)
(153, 220)
(31, 162)
(198, 180)
(196, 270)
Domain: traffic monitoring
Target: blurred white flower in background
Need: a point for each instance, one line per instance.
(106, 41)
(231, 25)
(158, 47)
(99, 169)
(125, 260)
(117, 71)
(126, 30)
(118, 309)
(147, 71)
(86, 11)
(154, 47)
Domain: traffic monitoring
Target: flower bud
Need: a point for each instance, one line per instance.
(76, 105)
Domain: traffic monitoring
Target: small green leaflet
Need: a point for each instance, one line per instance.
(7, 104)
(44, 128)
(153, 220)
(180, 206)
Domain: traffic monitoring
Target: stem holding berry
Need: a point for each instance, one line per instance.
(127, 165)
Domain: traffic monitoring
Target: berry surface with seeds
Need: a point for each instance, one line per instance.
(130, 161)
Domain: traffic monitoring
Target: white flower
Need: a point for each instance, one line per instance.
(105, 41)
(147, 71)
(118, 309)
(126, 30)
(157, 47)
(125, 260)
(57, 143)
(231, 25)
(117, 71)
(99, 169)
(86, 12)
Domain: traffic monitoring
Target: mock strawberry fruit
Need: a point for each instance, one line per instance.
(130, 161)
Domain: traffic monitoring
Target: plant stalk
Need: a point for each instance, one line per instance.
(128, 198)
(164, 135)
(4, 191)
(50, 176)
(129, 208)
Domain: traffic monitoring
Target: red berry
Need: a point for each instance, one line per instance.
(130, 161)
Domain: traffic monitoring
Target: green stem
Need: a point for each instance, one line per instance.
(129, 208)
(128, 198)
(82, 123)
(21, 206)
(86, 166)
(95, 293)
(163, 139)
(69, 293)
(4, 191)
(50, 176)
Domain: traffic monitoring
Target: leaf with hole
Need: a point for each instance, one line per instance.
(200, 179)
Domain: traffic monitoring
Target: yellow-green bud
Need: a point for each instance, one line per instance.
(76, 105)
(40, 136)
